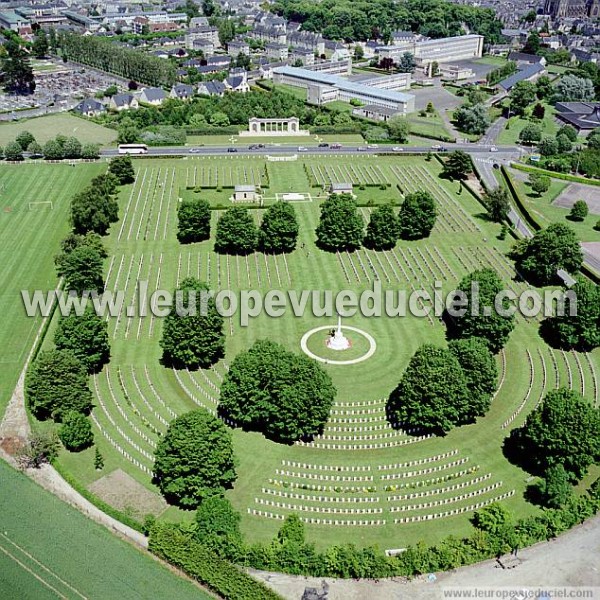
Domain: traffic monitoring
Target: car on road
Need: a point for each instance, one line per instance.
(398, 149)
(323, 145)
(436, 147)
(361, 149)
(194, 150)
(372, 146)
(302, 149)
(231, 149)
(493, 149)
(335, 146)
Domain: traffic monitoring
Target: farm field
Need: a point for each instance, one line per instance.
(48, 127)
(31, 232)
(362, 480)
(547, 212)
(48, 550)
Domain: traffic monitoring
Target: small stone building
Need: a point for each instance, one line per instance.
(340, 188)
(245, 193)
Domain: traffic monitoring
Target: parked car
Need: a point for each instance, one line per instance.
(231, 149)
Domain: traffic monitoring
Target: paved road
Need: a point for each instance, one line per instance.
(271, 149)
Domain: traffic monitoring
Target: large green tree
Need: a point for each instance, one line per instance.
(383, 229)
(399, 128)
(563, 430)
(284, 395)
(193, 221)
(82, 269)
(76, 432)
(522, 96)
(417, 215)
(86, 336)
(194, 460)
(498, 204)
(218, 527)
(236, 232)
(278, 231)
(432, 394)
(25, 139)
(577, 329)
(341, 226)
(193, 334)
(480, 290)
(472, 119)
(18, 74)
(57, 383)
(40, 45)
(122, 168)
(95, 208)
(481, 373)
(555, 488)
(539, 258)
(458, 165)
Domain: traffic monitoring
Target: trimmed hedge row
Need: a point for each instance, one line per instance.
(556, 174)
(173, 545)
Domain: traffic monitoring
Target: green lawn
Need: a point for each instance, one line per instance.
(236, 140)
(31, 235)
(139, 394)
(510, 134)
(546, 213)
(431, 125)
(48, 127)
(48, 550)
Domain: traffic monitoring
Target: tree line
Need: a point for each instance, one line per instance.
(59, 148)
(102, 54)
(352, 20)
(57, 381)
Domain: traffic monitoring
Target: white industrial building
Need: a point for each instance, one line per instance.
(443, 50)
(323, 87)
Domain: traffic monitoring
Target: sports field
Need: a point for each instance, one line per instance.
(362, 481)
(34, 212)
(48, 127)
(50, 550)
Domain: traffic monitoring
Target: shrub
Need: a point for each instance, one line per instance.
(76, 432)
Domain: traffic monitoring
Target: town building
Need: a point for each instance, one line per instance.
(451, 49)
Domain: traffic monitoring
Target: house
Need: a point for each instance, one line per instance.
(522, 58)
(375, 113)
(182, 91)
(528, 73)
(306, 57)
(90, 107)
(155, 96)
(220, 62)
(340, 188)
(237, 47)
(211, 88)
(198, 22)
(276, 51)
(202, 33)
(205, 46)
(245, 193)
(340, 54)
(238, 83)
(584, 116)
(123, 102)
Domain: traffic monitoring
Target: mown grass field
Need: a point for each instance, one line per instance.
(49, 126)
(510, 134)
(30, 238)
(48, 550)
(367, 471)
(546, 213)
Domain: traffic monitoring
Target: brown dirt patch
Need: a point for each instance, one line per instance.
(124, 493)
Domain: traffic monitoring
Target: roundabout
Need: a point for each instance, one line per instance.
(362, 346)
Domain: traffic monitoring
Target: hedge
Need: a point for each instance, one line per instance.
(556, 174)
(228, 130)
(181, 550)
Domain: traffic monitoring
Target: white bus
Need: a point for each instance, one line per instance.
(133, 149)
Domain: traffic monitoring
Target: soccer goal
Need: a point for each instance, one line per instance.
(41, 204)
